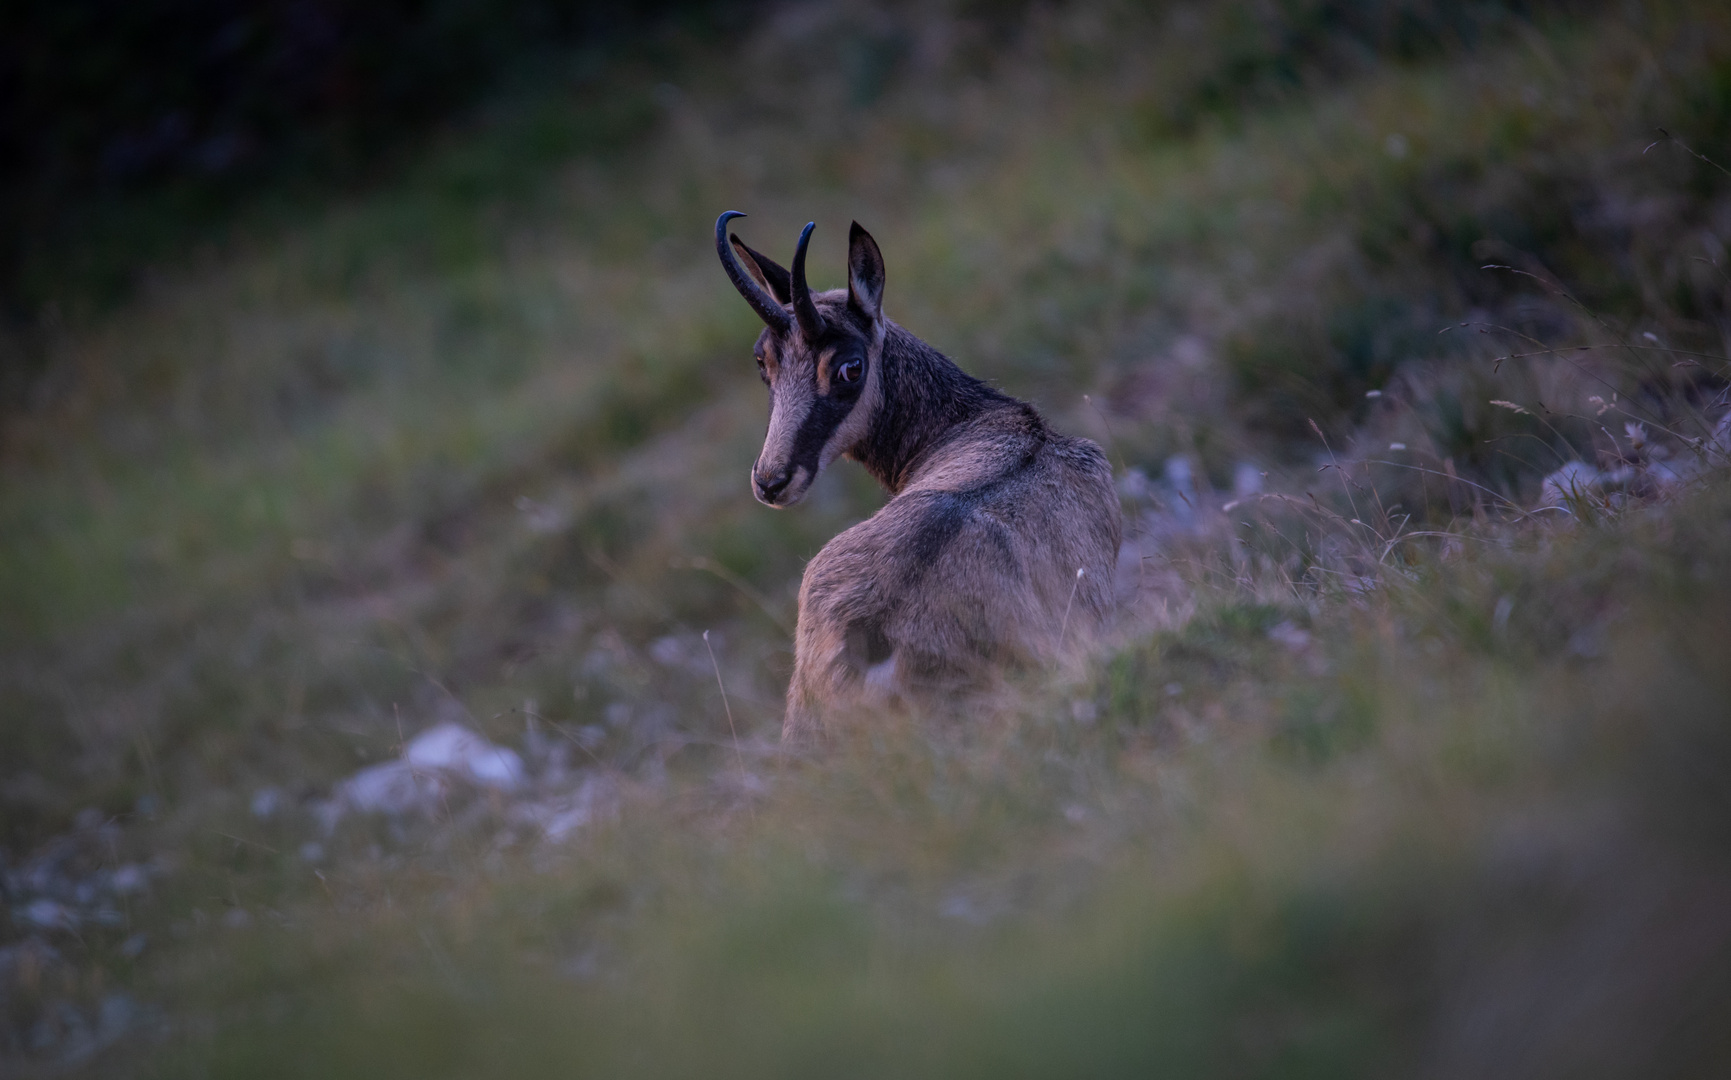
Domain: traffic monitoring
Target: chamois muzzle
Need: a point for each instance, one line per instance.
(773, 314)
(771, 485)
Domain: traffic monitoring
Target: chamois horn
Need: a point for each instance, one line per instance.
(773, 314)
(811, 322)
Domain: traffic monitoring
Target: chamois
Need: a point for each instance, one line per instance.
(997, 546)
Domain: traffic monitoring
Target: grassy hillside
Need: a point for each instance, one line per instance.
(1385, 771)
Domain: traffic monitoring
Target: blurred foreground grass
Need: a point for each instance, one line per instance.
(1397, 842)
(473, 446)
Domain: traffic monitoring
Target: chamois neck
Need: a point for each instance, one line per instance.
(925, 400)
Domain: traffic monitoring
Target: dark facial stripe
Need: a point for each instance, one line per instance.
(820, 423)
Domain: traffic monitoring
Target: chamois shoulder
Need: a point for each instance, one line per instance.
(995, 445)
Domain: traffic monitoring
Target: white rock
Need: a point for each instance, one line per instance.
(1665, 475)
(498, 768)
(454, 748)
(596, 799)
(1573, 480)
(395, 787)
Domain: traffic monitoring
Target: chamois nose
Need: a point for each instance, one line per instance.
(769, 485)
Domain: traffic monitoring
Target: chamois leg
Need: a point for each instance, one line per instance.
(837, 672)
(807, 693)
(799, 725)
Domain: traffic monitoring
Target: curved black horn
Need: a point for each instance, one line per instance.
(810, 320)
(772, 313)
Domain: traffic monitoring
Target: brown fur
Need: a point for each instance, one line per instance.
(970, 569)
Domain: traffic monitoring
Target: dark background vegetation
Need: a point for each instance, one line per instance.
(130, 134)
(104, 105)
(128, 131)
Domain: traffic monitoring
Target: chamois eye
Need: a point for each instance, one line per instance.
(849, 371)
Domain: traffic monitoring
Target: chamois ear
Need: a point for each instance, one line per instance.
(865, 274)
(765, 271)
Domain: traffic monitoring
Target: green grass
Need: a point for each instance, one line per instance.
(1335, 803)
(1309, 863)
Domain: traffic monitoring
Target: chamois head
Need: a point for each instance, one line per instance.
(819, 356)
